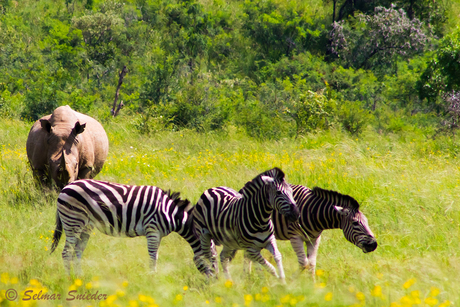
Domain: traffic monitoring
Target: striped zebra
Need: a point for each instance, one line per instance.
(241, 220)
(121, 210)
(320, 210)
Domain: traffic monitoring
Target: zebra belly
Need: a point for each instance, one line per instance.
(111, 231)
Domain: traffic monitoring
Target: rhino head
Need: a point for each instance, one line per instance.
(63, 154)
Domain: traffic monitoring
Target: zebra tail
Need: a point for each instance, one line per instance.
(57, 233)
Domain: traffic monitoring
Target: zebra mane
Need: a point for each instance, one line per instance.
(183, 204)
(275, 173)
(348, 201)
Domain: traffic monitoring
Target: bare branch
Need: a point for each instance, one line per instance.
(114, 111)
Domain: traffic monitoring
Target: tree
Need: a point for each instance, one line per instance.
(430, 12)
(376, 42)
(443, 72)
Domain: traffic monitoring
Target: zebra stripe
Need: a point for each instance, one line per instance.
(241, 220)
(121, 210)
(320, 210)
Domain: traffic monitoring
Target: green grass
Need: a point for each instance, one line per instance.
(407, 187)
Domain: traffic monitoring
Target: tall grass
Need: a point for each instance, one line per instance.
(407, 187)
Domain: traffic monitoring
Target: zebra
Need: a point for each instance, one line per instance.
(322, 209)
(241, 220)
(121, 210)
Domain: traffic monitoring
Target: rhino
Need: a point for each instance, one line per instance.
(65, 146)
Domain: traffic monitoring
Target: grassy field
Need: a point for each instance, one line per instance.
(407, 187)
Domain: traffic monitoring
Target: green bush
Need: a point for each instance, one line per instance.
(353, 118)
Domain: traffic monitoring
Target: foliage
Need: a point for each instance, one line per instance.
(196, 64)
(376, 42)
(451, 120)
(442, 74)
(353, 118)
(433, 13)
(280, 30)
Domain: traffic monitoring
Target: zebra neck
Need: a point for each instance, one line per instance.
(319, 214)
(255, 204)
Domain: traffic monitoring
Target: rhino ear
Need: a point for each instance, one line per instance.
(79, 128)
(45, 125)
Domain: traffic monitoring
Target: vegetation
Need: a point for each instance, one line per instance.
(406, 186)
(210, 65)
(361, 97)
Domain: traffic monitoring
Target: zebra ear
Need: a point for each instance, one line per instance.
(267, 179)
(342, 211)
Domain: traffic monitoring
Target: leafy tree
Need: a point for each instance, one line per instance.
(433, 13)
(378, 41)
(281, 30)
(451, 121)
(442, 75)
(101, 31)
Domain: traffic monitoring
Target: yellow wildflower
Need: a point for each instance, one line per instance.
(34, 282)
(328, 297)
(285, 299)
(120, 293)
(218, 300)
(4, 278)
(444, 304)
(228, 283)
(179, 297)
(265, 298)
(78, 282)
(125, 284)
(431, 301)
(185, 288)
(360, 296)
(264, 290)
(409, 283)
(89, 285)
(292, 302)
(319, 273)
(142, 298)
(377, 291)
(434, 291)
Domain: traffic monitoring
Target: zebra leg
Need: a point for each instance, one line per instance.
(215, 265)
(226, 256)
(312, 251)
(79, 248)
(247, 265)
(206, 246)
(153, 243)
(69, 250)
(297, 245)
(273, 249)
(254, 254)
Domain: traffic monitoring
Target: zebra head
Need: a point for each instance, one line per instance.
(280, 194)
(356, 228)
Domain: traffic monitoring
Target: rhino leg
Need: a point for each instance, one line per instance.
(86, 173)
(41, 177)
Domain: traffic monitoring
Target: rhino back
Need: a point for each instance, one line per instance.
(93, 144)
